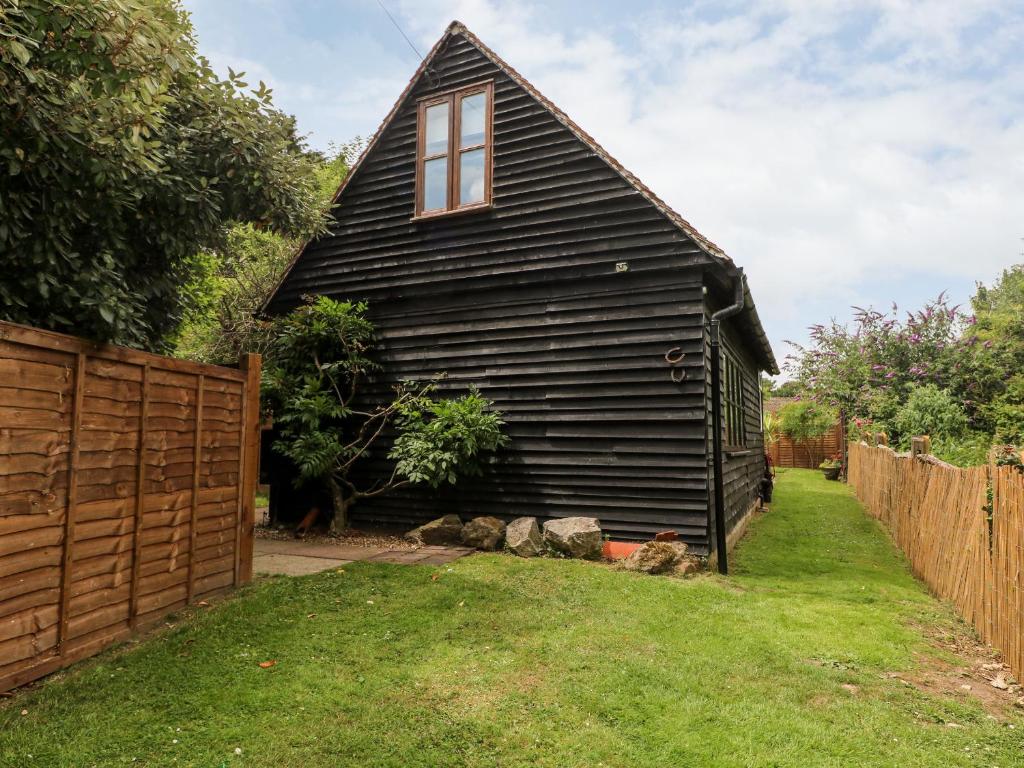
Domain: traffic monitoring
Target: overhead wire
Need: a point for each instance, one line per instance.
(415, 50)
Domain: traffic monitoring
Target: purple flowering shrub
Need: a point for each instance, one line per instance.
(940, 371)
(870, 368)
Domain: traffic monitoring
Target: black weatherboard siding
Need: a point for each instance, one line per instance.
(526, 302)
(743, 466)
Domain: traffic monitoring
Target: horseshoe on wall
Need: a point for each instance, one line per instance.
(674, 357)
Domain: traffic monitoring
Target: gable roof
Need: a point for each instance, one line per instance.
(716, 254)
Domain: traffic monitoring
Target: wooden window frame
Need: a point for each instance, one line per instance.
(453, 99)
(734, 421)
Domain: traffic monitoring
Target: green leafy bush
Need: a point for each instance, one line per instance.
(929, 411)
(1005, 413)
(968, 450)
(805, 419)
(318, 361)
(442, 439)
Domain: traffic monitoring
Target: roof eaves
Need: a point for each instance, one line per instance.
(771, 365)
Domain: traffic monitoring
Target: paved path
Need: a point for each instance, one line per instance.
(297, 558)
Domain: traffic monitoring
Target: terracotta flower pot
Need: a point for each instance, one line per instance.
(617, 550)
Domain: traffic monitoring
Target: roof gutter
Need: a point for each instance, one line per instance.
(730, 274)
(739, 301)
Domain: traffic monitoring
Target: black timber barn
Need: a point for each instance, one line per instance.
(496, 241)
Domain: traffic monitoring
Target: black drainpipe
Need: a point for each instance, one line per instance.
(721, 548)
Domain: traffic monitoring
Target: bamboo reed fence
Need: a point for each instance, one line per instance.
(962, 531)
(127, 485)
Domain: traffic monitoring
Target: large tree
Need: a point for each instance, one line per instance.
(995, 387)
(235, 278)
(122, 157)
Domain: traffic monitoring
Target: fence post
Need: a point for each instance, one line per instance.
(140, 502)
(920, 446)
(71, 502)
(251, 364)
(844, 451)
(197, 462)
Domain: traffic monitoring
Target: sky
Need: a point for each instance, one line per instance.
(843, 152)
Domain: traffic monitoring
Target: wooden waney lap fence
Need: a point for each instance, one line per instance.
(806, 454)
(126, 491)
(967, 549)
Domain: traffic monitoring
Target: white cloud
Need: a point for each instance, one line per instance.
(841, 152)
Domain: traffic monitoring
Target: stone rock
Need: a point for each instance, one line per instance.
(575, 536)
(655, 557)
(483, 533)
(687, 567)
(444, 530)
(523, 537)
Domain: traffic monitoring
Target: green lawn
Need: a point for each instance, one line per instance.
(510, 662)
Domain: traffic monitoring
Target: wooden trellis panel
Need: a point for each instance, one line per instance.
(127, 485)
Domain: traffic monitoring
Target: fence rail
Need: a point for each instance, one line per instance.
(127, 486)
(962, 531)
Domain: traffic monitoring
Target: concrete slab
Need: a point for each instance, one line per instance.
(330, 551)
(293, 565)
(298, 558)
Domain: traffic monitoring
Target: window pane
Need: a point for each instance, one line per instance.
(435, 184)
(473, 119)
(437, 130)
(471, 177)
